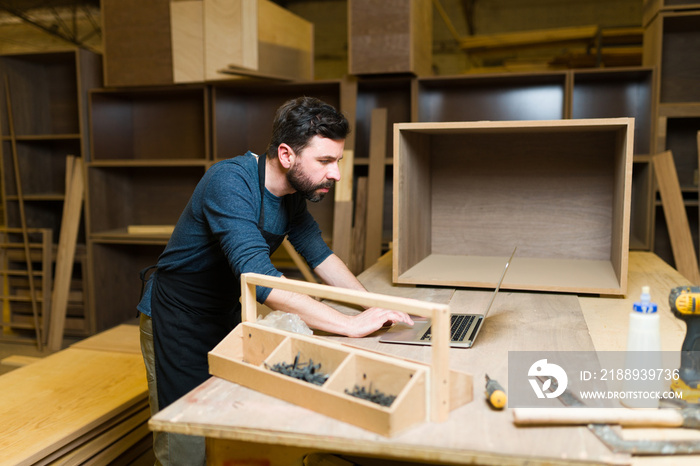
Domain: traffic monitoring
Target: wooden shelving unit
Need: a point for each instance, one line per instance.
(151, 145)
(598, 93)
(671, 39)
(48, 122)
(150, 148)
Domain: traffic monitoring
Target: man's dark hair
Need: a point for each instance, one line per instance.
(298, 120)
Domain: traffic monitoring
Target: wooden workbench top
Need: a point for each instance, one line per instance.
(518, 321)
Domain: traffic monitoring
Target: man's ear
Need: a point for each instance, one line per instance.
(286, 155)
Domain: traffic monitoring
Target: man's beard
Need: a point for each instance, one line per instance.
(305, 187)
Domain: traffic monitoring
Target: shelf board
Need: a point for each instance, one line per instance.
(43, 137)
(681, 109)
(37, 197)
(121, 236)
(365, 161)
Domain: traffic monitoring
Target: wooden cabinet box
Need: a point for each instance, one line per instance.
(466, 193)
(248, 355)
(185, 41)
(391, 36)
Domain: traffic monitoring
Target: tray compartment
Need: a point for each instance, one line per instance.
(307, 352)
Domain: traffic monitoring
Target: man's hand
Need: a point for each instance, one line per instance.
(374, 318)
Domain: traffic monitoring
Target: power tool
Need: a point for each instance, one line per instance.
(685, 304)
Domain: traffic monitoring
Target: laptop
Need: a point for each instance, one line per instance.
(464, 327)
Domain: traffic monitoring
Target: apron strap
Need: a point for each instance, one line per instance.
(142, 276)
(261, 183)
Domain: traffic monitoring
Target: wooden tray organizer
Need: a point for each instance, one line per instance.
(467, 193)
(422, 392)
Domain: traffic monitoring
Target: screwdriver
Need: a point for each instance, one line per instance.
(495, 394)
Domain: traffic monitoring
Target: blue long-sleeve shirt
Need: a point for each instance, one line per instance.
(220, 223)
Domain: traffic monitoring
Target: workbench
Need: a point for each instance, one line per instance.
(240, 423)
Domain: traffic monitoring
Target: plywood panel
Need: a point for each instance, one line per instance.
(137, 42)
(187, 31)
(285, 43)
(46, 405)
(391, 36)
(230, 35)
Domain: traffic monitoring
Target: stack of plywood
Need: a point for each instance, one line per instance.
(86, 404)
(189, 41)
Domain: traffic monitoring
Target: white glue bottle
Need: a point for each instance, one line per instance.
(641, 383)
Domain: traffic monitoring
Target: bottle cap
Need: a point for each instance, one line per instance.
(645, 305)
(645, 308)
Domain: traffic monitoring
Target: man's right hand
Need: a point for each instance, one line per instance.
(374, 318)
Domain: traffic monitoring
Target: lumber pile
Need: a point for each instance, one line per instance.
(86, 404)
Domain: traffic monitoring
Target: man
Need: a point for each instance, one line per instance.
(238, 215)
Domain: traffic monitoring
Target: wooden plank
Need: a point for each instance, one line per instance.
(88, 438)
(510, 40)
(676, 217)
(343, 205)
(113, 441)
(19, 360)
(375, 186)
(46, 405)
(342, 214)
(123, 338)
(150, 229)
(299, 261)
(65, 258)
(357, 258)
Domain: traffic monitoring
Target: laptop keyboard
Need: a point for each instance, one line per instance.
(458, 327)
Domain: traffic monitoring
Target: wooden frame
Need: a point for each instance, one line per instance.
(466, 193)
(425, 391)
